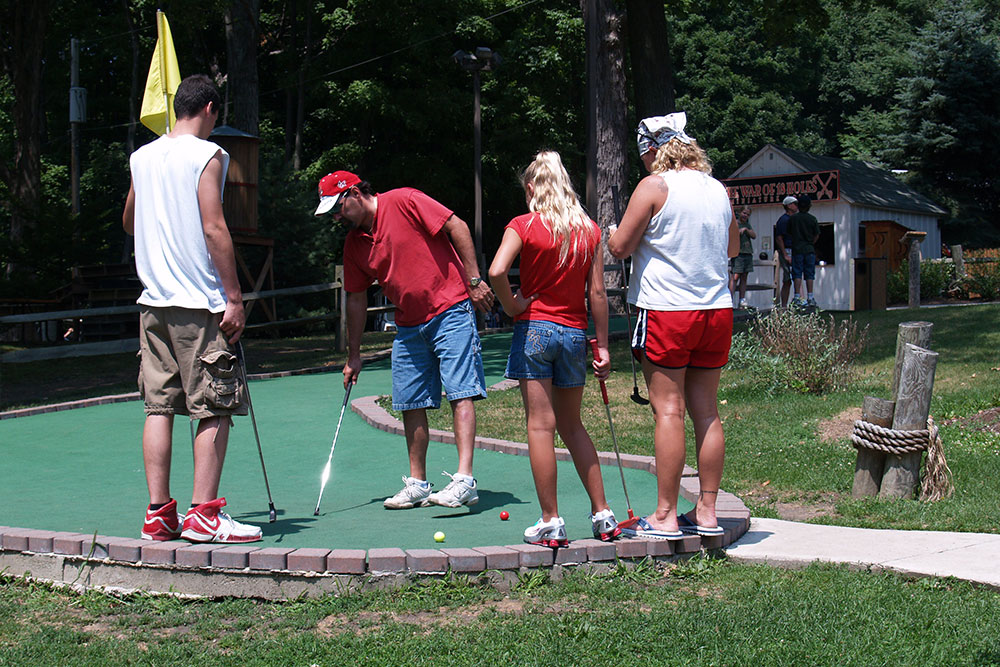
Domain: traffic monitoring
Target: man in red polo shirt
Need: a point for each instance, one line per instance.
(423, 257)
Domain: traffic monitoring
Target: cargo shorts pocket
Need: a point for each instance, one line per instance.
(223, 385)
(142, 387)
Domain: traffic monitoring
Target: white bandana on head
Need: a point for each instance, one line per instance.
(656, 131)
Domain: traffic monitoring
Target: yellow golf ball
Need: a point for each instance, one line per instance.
(439, 536)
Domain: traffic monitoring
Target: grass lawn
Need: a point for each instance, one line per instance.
(701, 612)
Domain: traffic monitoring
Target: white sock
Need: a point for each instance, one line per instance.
(468, 479)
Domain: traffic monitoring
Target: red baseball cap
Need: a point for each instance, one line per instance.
(332, 188)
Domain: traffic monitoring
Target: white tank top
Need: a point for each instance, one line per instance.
(682, 260)
(171, 256)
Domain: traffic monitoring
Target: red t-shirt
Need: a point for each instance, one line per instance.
(561, 290)
(409, 255)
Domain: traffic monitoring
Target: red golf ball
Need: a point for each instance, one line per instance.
(504, 515)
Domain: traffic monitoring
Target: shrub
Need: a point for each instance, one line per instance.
(982, 279)
(935, 277)
(805, 353)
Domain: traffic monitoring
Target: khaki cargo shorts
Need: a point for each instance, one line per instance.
(186, 365)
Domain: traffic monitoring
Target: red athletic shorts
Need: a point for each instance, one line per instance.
(684, 338)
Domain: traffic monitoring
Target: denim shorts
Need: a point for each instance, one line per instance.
(804, 266)
(541, 350)
(445, 350)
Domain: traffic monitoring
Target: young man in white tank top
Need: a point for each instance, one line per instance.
(192, 314)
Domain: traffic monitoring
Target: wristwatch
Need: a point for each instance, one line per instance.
(474, 282)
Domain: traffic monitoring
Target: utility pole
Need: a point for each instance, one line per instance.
(77, 115)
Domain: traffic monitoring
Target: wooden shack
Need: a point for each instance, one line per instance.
(239, 198)
(863, 211)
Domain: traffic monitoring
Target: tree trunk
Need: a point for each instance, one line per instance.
(242, 40)
(649, 52)
(24, 26)
(606, 86)
(300, 106)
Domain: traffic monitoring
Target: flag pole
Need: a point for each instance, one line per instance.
(161, 49)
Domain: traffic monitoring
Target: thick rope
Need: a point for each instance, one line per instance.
(936, 480)
(936, 483)
(892, 441)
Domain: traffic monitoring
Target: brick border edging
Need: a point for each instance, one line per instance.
(225, 570)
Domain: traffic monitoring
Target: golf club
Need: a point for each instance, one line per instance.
(636, 396)
(272, 513)
(632, 518)
(326, 471)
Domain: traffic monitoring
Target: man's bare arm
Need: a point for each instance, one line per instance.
(461, 239)
(128, 215)
(220, 247)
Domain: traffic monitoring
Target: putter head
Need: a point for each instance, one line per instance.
(316, 513)
(637, 397)
(272, 516)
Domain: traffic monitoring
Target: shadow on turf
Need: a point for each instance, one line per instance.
(488, 501)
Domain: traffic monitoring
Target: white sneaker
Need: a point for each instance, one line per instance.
(458, 492)
(743, 304)
(208, 523)
(605, 526)
(551, 533)
(414, 494)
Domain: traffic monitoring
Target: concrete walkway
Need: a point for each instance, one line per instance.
(972, 557)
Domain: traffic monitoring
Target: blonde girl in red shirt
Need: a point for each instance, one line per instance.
(560, 266)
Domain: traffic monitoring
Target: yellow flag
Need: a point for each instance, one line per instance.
(162, 82)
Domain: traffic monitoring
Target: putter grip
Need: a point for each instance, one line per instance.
(604, 389)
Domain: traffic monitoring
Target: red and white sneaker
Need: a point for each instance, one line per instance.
(163, 524)
(208, 523)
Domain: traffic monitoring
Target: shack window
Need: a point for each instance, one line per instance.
(825, 246)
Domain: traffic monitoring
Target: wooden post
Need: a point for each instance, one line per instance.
(959, 260)
(917, 333)
(914, 239)
(913, 403)
(870, 465)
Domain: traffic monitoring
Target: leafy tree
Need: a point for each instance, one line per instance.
(949, 119)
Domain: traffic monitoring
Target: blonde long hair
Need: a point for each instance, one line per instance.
(554, 199)
(675, 154)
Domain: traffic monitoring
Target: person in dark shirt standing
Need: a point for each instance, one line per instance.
(783, 246)
(803, 230)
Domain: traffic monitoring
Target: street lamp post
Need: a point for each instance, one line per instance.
(482, 60)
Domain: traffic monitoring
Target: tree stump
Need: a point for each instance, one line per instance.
(870, 466)
(917, 333)
(913, 403)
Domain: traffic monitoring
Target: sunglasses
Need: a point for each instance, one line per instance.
(340, 203)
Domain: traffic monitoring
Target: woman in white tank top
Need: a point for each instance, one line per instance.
(680, 230)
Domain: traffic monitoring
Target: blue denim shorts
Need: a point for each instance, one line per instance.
(445, 350)
(541, 350)
(804, 266)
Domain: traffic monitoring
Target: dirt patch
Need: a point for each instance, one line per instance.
(839, 427)
(805, 511)
(443, 617)
(791, 507)
(986, 420)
